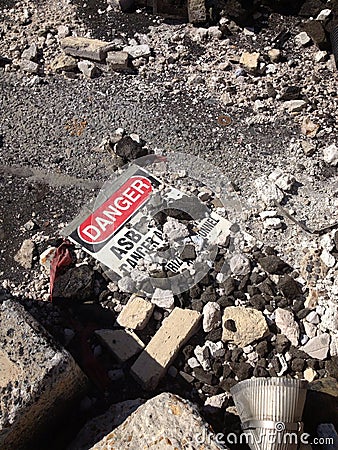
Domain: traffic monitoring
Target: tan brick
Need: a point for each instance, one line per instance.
(87, 48)
(122, 343)
(136, 313)
(153, 362)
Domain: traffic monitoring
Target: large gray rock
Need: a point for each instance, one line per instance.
(38, 379)
(164, 422)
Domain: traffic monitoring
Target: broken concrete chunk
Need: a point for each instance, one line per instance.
(124, 344)
(97, 428)
(163, 299)
(331, 154)
(286, 323)
(118, 60)
(43, 374)
(86, 48)
(88, 69)
(136, 313)
(165, 421)
(248, 325)
(30, 53)
(211, 316)
(25, 254)
(137, 51)
(318, 346)
(250, 61)
(64, 63)
(153, 362)
(29, 66)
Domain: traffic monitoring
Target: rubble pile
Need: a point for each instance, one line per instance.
(259, 297)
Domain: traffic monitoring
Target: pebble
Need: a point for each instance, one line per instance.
(328, 259)
(273, 223)
(138, 51)
(240, 265)
(303, 38)
(88, 69)
(214, 33)
(163, 299)
(203, 354)
(313, 318)
(331, 154)
(274, 55)
(250, 61)
(193, 362)
(294, 105)
(309, 374)
(25, 254)
(175, 230)
(217, 401)
(211, 316)
(286, 323)
(29, 66)
(318, 346)
(268, 191)
(30, 53)
(324, 14)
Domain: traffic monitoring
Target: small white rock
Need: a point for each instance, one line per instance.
(217, 401)
(328, 259)
(331, 154)
(324, 14)
(163, 299)
(211, 316)
(240, 265)
(192, 363)
(273, 223)
(313, 318)
(303, 38)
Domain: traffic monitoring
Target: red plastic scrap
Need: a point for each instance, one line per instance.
(62, 258)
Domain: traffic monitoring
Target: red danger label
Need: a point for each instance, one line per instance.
(112, 214)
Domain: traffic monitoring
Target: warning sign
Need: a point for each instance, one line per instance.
(119, 229)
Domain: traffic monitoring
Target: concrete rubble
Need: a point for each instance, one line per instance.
(136, 313)
(242, 326)
(243, 78)
(36, 374)
(164, 421)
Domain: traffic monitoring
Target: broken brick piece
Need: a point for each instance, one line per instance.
(124, 344)
(86, 48)
(136, 313)
(153, 362)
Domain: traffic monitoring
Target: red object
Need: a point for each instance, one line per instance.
(62, 258)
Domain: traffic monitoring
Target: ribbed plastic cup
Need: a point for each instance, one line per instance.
(334, 42)
(271, 412)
